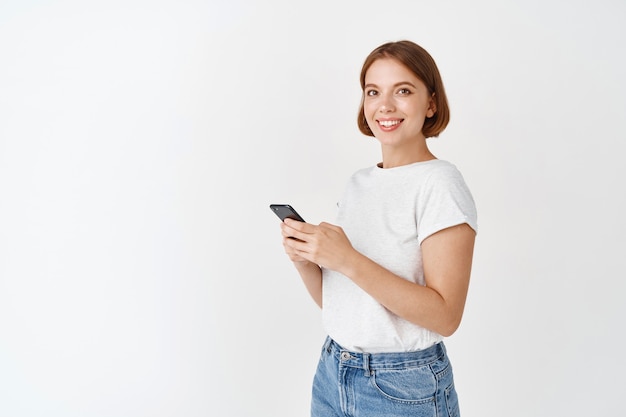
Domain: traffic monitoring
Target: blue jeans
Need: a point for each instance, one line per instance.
(418, 384)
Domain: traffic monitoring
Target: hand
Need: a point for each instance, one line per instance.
(325, 244)
(291, 253)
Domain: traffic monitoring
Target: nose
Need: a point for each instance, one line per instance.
(386, 105)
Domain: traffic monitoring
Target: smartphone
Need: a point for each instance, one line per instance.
(285, 211)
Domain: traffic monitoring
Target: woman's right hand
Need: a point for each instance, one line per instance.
(310, 272)
(293, 256)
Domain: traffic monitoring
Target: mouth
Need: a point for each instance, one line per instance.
(389, 124)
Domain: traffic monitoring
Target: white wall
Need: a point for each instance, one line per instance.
(141, 272)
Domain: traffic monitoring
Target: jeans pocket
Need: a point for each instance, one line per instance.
(416, 385)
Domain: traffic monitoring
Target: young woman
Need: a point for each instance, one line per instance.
(392, 276)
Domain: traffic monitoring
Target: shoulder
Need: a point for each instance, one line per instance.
(363, 172)
(443, 169)
(445, 201)
(445, 179)
(443, 173)
(362, 176)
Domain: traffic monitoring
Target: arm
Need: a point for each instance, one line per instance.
(447, 258)
(439, 305)
(311, 275)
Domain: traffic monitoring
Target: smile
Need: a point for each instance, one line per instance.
(389, 123)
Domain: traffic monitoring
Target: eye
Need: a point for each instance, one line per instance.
(404, 91)
(371, 93)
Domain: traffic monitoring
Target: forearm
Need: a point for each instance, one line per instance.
(311, 275)
(446, 262)
(416, 303)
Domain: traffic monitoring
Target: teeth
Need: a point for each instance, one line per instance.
(389, 123)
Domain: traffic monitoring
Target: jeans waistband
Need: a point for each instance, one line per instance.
(394, 360)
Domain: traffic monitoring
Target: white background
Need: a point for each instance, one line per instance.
(141, 271)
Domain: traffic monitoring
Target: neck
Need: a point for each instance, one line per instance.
(395, 157)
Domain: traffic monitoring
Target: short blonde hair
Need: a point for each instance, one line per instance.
(420, 63)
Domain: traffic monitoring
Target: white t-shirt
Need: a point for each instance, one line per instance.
(386, 214)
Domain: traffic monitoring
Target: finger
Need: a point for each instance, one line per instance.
(300, 226)
(284, 231)
(295, 245)
(289, 231)
(288, 243)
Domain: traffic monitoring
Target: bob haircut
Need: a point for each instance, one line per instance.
(420, 63)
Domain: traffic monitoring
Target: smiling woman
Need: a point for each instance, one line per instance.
(392, 275)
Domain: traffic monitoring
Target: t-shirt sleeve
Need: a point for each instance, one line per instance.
(445, 201)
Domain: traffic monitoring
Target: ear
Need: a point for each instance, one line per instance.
(432, 107)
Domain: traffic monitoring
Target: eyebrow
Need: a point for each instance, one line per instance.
(394, 86)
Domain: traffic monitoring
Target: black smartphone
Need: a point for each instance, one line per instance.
(285, 211)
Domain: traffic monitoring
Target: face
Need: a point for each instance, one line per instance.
(395, 103)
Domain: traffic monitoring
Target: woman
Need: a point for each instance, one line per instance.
(392, 276)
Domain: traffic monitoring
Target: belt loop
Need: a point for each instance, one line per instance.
(366, 364)
(327, 344)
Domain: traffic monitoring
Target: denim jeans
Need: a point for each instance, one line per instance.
(418, 384)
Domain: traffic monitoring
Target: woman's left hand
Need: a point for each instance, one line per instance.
(325, 244)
